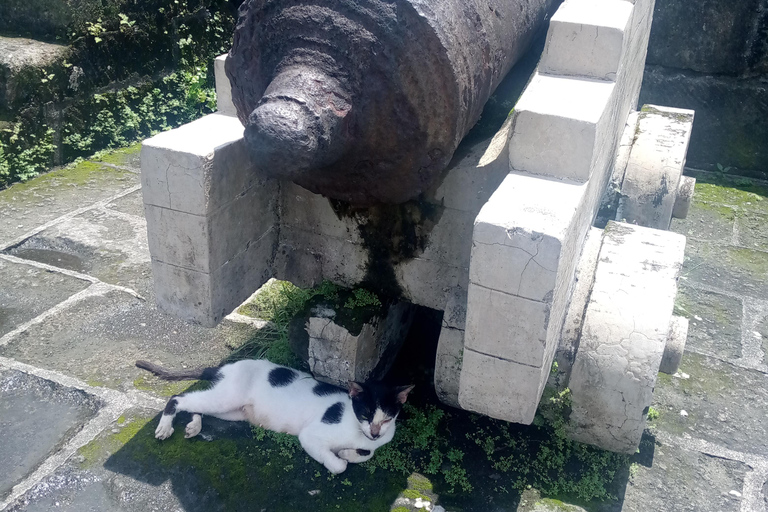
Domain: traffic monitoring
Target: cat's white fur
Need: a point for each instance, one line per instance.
(244, 393)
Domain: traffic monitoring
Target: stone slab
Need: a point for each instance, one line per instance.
(724, 404)
(130, 204)
(706, 222)
(36, 417)
(98, 338)
(28, 291)
(626, 325)
(655, 166)
(684, 480)
(100, 243)
(586, 38)
(714, 322)
(25, 206)
(727, 267)
(752, 231)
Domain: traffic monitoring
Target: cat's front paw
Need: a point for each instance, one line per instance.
(348, 454)
(336, 465)
(163, 430)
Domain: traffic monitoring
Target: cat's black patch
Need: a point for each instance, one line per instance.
(325, 389)
(333, 414)
(375, 396)
(213, 375)
(281, 377)
(170, 407)
(362, 452)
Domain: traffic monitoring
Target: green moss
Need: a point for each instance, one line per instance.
(719, 192)
(160, 387)
(754, 262)
(124, 156)
(414, 494)
(420, 483)
(400, 509)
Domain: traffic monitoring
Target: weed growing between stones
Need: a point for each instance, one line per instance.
(280, 303)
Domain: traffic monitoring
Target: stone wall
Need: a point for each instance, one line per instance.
(711, 56)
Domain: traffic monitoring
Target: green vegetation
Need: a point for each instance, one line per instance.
(131, 69)
(653, 414)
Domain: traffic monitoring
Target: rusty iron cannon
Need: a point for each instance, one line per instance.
(365, 101)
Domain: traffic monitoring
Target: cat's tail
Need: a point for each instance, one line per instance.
(194, 374)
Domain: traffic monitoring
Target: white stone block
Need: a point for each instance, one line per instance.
(556, 128)
(626, 326)
(224, 103)
(426, 282)
(586, 38)
(655, 166)
(206, 298)
(197, 167)
(211, 221)
(494, 387)
(312, 212)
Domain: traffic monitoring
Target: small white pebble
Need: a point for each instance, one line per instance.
(418, 503)
(697, 317)
(735, 494)
(314, 492)
(683, 413)
(681, 375)
(757, 334)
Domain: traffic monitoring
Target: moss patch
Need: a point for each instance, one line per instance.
(160, 387)
(126, 156)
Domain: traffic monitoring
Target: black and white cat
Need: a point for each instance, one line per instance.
(334, 426)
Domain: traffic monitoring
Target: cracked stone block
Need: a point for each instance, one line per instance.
(97, 339)
(727, 267)
(626, 326)
(714, 321)
(37, 417)
(211, 220)
(338, 355)
(25, 206)
(685, 480)
(586, 38)
(28, 291)
(655, 166)
(101, 243)
(725, 404)
(20, 60)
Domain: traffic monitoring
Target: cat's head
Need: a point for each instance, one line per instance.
(377, 406)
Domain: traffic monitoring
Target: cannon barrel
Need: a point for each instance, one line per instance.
(365, 101)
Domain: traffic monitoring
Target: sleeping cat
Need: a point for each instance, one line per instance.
(334, 426)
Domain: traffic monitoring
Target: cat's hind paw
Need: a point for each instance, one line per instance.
(163, 430)
(194, 427)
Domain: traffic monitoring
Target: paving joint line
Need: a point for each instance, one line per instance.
(34, 231)
(96, 289)
(752, 495)
(115, 403)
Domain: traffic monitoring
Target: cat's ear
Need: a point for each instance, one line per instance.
(355, 389)
(402, 393)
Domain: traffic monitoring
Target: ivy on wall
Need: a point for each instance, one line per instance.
(132, 68)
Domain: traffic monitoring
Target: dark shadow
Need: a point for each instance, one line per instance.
(228, 468)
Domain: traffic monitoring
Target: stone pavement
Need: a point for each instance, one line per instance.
(76, 417)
